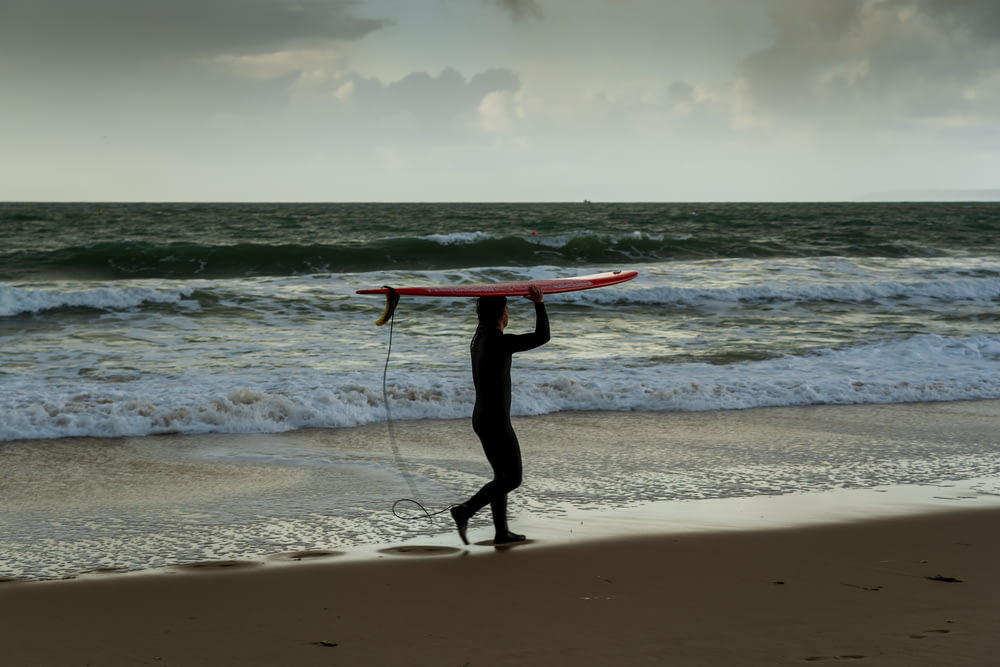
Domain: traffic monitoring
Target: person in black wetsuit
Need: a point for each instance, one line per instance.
(491, 352)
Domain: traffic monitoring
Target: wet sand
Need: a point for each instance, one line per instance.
(911, 591)
(75, 505)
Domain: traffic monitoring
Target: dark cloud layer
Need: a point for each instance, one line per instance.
(185, 28)
(913, 58)
(980, 17)
(807, 37)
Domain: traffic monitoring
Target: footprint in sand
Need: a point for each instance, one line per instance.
(418, 550)
(217, 564)
(311, 554)
(102, 570)
(927, 633)
(847, 656)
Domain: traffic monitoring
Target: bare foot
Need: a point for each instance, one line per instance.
(507, 538)
(461, 521)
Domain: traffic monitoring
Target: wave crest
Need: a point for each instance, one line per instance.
(19, 301)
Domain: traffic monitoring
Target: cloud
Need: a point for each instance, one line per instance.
(521, 9)
(99, 67)
(809, 42)
(268, 66)
(446, 108)
(876, 64)
(980, 17)
(499, 111)
(643, 95)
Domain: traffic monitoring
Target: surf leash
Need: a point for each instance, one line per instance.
(391, 301)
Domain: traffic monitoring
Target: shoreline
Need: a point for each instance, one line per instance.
(586, 528)
(78, 506)
(916, 590)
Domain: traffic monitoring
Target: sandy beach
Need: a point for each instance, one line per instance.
(914, 591)
(841, 570)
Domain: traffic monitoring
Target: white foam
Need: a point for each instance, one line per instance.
(17, 300)
(922, 368)
(458, 238)
(276, 354)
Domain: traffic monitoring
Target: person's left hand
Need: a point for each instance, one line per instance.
(535, 294)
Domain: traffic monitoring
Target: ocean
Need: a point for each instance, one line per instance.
(130, 320)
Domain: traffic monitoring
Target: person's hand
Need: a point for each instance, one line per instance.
(535, 294)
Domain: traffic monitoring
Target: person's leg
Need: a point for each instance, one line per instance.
(507, 467)
(503, 535)
(504, 455)
(461, 517)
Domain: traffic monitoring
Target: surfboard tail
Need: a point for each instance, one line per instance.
(391, 301)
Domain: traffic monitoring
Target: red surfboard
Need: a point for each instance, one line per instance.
(519, 288)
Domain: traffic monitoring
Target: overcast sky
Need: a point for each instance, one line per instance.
(496, 100)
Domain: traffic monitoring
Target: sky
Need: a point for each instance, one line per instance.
(496, 100)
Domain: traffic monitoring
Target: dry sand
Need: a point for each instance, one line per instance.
(912, 591)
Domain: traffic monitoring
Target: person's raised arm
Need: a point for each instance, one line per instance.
(541, 334)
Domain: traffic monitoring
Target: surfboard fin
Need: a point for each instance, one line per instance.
(391, 300)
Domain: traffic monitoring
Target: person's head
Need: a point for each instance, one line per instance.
(492, 312)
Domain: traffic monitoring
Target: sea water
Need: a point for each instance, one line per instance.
(135, 319)
(124, 320)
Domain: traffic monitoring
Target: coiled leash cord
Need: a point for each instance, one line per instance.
(392, 299)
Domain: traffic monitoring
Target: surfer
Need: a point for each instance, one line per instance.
(491, 351)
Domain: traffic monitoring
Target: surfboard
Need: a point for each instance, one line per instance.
(519, 288)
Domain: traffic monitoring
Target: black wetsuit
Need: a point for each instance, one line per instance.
(491, 357)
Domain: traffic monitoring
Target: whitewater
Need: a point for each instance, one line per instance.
(281, 353)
